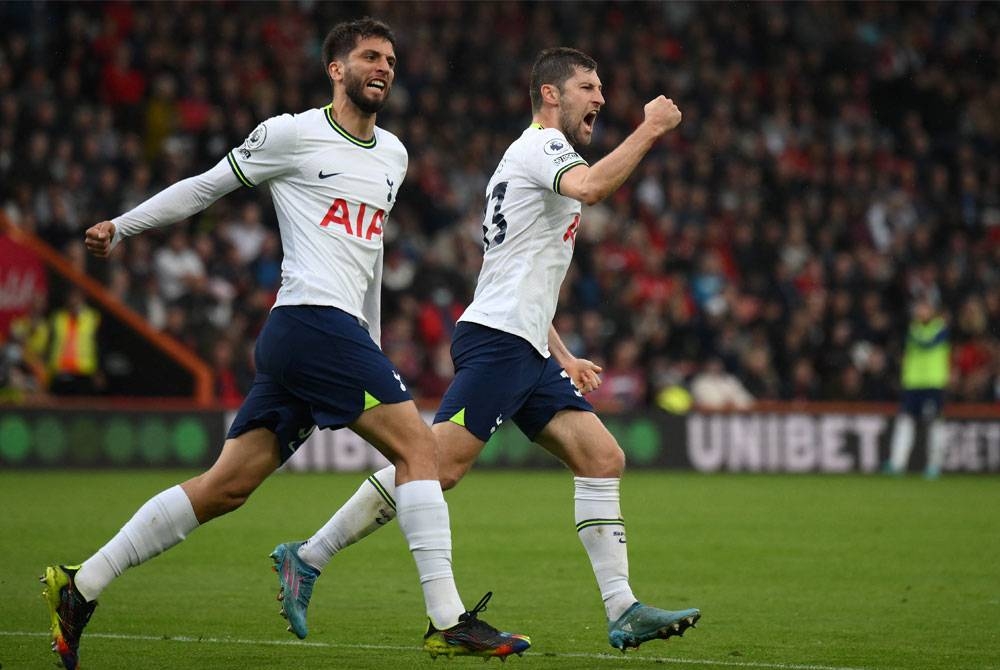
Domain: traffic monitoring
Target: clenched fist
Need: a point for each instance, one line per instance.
(584, 374)
(99, 238)
(662, 115)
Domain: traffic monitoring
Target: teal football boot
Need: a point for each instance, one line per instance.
(296, 580)
(641, 623)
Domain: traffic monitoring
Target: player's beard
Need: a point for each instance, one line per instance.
(571, 128)
(355, 88)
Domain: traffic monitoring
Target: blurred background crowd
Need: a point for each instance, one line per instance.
(836, 161)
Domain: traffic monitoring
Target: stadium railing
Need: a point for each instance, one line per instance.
(200, 386)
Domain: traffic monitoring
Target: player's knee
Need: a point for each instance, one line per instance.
(418, 460)
(211, 498)
(450, 475)
(606, 461)
(233, 497)
(222, 496)
(448, 481)
(221, 500)
(613, 460)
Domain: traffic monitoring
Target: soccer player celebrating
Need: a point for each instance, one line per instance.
(333, 176)
(532, 217)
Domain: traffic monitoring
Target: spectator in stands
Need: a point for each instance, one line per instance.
(435, 378)
(73, 357)
(804, 384)
(33, 334)
(975, 352)
(247, 232)
(759, 376)
(227, 383)
(179, 270)
(17, 379)
(266, 267)
(715, 388)
(23, 372)
(623, 380)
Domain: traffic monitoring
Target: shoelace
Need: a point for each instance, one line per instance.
(475, 623)
(480, 607)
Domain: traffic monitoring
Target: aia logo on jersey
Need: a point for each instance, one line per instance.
(356, 224)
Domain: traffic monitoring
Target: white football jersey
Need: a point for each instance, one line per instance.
(528, 236)
(332, 193)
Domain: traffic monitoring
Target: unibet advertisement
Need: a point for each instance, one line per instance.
(745, 442)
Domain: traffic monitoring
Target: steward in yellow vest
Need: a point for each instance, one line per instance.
(73, 361)
(926, 370)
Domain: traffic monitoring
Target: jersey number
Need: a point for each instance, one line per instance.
(499, 223)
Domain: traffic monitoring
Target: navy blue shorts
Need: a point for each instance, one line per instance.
(923, 404)
(316, 366)
(500, 376)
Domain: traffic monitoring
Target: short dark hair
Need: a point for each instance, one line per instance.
(345, 36)
(554, 66)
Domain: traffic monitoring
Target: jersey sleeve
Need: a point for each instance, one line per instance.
(405, 165)
(176, 202)
(548, 156)
(401, 158)
(268, 152)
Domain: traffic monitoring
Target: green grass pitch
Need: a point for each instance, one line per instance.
(802, 572)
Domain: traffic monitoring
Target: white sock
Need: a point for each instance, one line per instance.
(602, 531)
(903, 434)
(162, 522)
(370, 508)
(936, 446)
(423, 518)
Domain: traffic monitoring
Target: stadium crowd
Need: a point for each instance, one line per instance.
(836, 160)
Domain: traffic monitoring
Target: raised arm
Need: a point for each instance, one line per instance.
(592, 184)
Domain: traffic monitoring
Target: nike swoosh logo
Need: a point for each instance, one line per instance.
(327, 176)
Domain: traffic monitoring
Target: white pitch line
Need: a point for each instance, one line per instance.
(389, 647)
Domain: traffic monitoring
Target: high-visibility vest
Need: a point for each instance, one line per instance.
(34, 335)
(927, 354)
(74, 342)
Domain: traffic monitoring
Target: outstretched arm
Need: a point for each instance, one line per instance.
(583, 373)
(592, 184)
(170, 205)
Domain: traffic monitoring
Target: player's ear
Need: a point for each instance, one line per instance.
(550, 94)
(335, 69)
